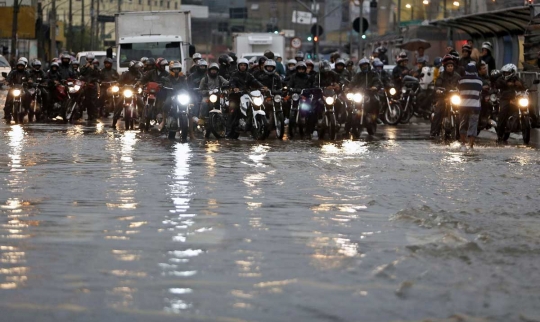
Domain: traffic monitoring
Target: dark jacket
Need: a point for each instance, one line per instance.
(344, 76)
(490, 61)
(325, 79)
(509, 87)
(156, 76)
(398, 74)
(244, 80)
(35, 74)
(298, 82)
(16, 77)
(366, 80)
(179, 82)
(66, 72)
(195, 79)
(108, 75)
(448, 81)
(273, 81)
(52, 77)
(224, 71)
(130, 77)
(90, 74)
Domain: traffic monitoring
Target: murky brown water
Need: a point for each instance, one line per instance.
(98, 225)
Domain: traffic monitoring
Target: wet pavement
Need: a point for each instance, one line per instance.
(102, 225)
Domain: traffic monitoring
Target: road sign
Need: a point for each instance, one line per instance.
(356, 24)
(296, 43)
(314, 30)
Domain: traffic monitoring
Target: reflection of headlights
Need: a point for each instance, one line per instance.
(115, 89)
(213, 98)
(295, 97)
(128, 93)
(358, 97)
(455, 99)
(277, 98)
(523, 102)
(77, 87)
(183, 99)
(329, 100)
(258, 100)
(393, 91)
(139, 90)
(350, 96)
(16, 92)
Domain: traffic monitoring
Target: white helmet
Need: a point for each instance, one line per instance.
(276, 55)
(487, 45)
(291, 61)
(243, 61)
(203, 62)
(363, 61)
(24, 60)
(197, 56)
(90, 56)
(270, 63)
(508, 70)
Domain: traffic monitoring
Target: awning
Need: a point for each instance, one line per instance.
(512, 21)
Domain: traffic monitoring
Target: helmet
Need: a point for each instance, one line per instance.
(108, 61)
(402, 57)
(262, 60)
(437, 62)
(335, 56)
(90, 56)
(175, 69)
(276, 55)
(24, 60)
(21, 62)
(509, 70)
(495, 74)
(133, 64)
(363, 61)
(377, 63)
(421, 60)
(382, 50)
(202, 62)
(325, 66)
(144, 60)
(197, 56)
(487, 45)
(340, 61)
(301, 64)
(139, 65)
(299, 55)
(454, 54)
(213, 66)
(293, 61)
(161, 62)
(96, 62)
(310, 62)
(223, 59)
(55, 64)
(36, 63)
(350, 63)
(466, 48)
(243, 61)
(65, 56)
(74, 61)
(448, 59)
(269, 54)
(233, 56)
(269, 63)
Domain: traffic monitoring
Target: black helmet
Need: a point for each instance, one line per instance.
(233, 56)
(269, 54)
(495, 74)
(437, 62)
(108, 61)
(223, 60)
(325, 66)
(151, 62)
(262, 60)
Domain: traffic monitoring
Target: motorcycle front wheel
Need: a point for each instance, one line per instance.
(217, 125)
(392, 115)
(184, 126)
(526, 129)
(280, 125)
(260, 132)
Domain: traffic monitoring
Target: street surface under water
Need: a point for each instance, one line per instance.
(102, 225)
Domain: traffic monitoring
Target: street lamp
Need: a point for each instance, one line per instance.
(456, 3)
(426, 2)
(408, 6)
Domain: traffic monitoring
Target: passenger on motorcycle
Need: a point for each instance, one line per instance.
(65, 67)
(370, 83)
(508, 84)
(224, 65)
(240, 81)
(91, 73)
(106, 77)
(17, 76)
(401, 70)
(448, 80)
(210, 82)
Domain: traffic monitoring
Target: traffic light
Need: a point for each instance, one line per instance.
(309, 38)
(272, 28)
(315, 39)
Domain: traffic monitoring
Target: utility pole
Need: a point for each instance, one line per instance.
(70, 27)
(98, 39)
(92, 25)
(316, 30)
(52, 23)
(119, 6)
(82, 27)
(398, 17)
(361, 32)
(445, 14)
(14, 28)
(39, 29)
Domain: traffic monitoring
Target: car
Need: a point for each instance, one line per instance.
(4, 67)
(99, 55)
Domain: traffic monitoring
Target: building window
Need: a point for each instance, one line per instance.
(176, 5)
(168, 5)
(140, 2)
(155, 3)
(161, 3)
(149, 3)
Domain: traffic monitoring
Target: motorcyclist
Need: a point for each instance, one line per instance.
(129, 78)
(75, 68)
(344, 75)
(382, 54)
(327, 78)
(299, 56)
(65, 67)
(224, 65)
(271, 80)
(210, 82)
(196, 58)
(159, 75)
(369, 81)
(350, 68)
(508, 84)
(149, 64)
(107, 76)
(17, 76)
(448, 80)
(91, 74)
(291, 68)
(299, 81)
(384, 76)
(486, 56)
(269, 54)
(194, 78)
(233, 65)
(38, 77)
(401, 70)
(279, 65)
(240, 81)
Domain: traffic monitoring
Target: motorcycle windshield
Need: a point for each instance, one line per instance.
(328, 92)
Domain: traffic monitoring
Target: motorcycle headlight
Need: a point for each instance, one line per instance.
(493, 98)
(329, 100)
(295, 97)
(183, 99)
(258, 100)
(350, 96)
(455, 99)
(523, 102)
(358, 97)
(77, 87)
(277, 98)
(16, 92)
(404, 90)
(72, 89)
(139, 90)
(213, 98)
(115, 89)
(128, 93)
(393, 91)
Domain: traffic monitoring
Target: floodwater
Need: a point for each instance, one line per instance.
(97, 225)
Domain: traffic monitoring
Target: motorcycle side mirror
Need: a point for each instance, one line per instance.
(192, 51)
(4, 74)
(536, 81)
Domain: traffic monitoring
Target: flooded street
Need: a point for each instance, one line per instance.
(102, 225)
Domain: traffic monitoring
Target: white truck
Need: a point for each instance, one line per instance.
(153, 34)
(248, 45)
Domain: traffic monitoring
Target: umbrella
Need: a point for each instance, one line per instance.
(414, 44)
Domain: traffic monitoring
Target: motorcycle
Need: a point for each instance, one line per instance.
(36, 104)
(149, 113)
(112, 95)
(390, 112)
(178, 116)
(303, 111)
(72, 109)
(258, 124)
(409, 90)
(327, 123)
(520, 120)
(18, 111)
(129, 103)
(359, 117)
(277, 113)
(450, 121)
(218, 104)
